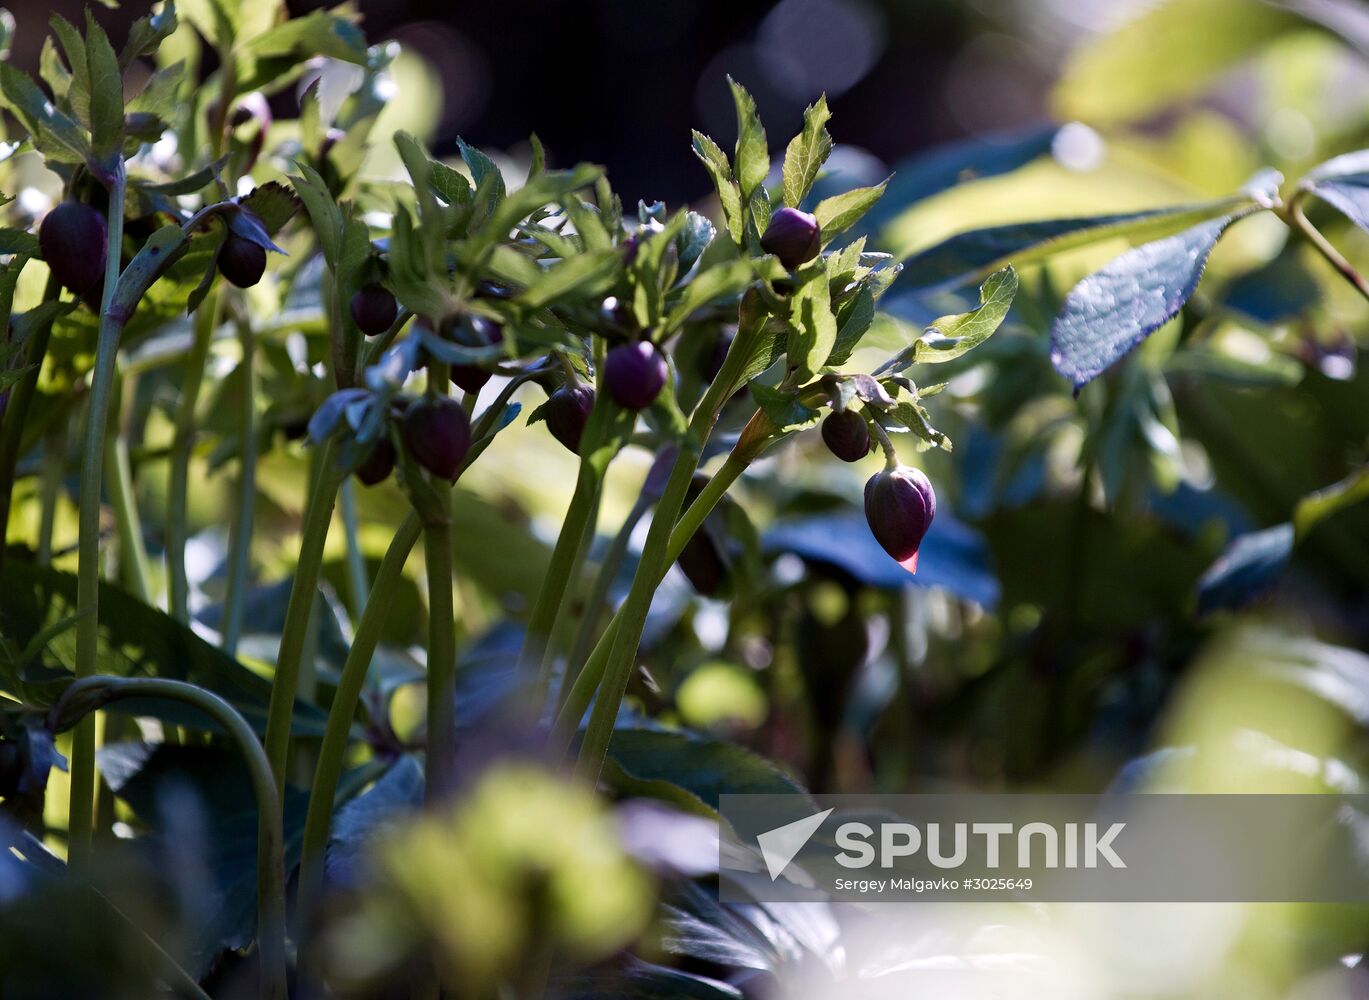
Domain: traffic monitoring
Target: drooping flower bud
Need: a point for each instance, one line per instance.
(567, 413)
(377, 466)
(899, 507)
(241, 261)
(792, 236)
(634, 374)
(374, 310)
(437, 433)
(475, 331)
(703, 564)
(846, 435)
(72, 238)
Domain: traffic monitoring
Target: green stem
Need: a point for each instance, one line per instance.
(582, 690)
(437, 551)
(1296, 218)
(357, 585)
(14, 414)
(560, 570)
(133, 567)
(240, 549)
(343, 710)
(598, 595)
(81, 810)
(54, 466)
(183, 446)
(298, 611)
(270, 834)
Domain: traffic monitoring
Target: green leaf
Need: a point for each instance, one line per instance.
(489, 182)
(715, 161)
(784, 408)
(752, 158)
(1113, 310)
(855, 320)
(951, 336)
(320, 33)
(323, 211)
(722, 282)
(586, 269)
(807, 152)
(1170, 51)
(812, 326)
(148, 33)
(840, 212)
(53, 132)
(18, 241)
(914, 417)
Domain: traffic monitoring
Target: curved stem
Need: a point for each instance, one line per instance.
(270, 832)
(240, 551)
(298, 611)
(81, 810)
(183, 445)
(343, 710)
(1299, 221)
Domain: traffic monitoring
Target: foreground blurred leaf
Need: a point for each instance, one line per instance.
(1247, 567)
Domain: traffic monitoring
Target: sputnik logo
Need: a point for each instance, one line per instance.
(778, 846)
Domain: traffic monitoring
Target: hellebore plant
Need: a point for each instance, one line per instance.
(657, 330)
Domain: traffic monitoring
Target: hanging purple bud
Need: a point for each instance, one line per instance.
(72, 238)
(899, 507)
(437, 434)
(374, 310)
(634, 374)
(567, 413)
(846, 435)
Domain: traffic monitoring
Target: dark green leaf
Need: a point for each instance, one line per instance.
(783, 408)
(807, 152)
(715, 161)
(751, 162)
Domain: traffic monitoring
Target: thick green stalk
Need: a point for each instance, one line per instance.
(54, 466)
(15, 412)
(270, 834)
(560, 571)
(81, 810)
(298, 611)
(590, 677)
(183, 445)
(437, 551)
(358, 586)
(240, 549)
(559, 640)
(133, 566)
(598, 595)
(343, 710)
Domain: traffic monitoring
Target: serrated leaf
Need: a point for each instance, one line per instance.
(715, 161)
(273, 204)
(18, 241)
(853, 323)
(839, 213)
(952, 336)
(147, 34)
(751, 162)
(49, 128)
(807, 152)
(1111, 311)
(915, 418)
(323, 211)
(812, 326)
(320, 33)
(106, 93)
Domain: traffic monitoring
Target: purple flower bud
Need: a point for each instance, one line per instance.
(846, 435)
(437, 433)
(374, 310)
(475, 331)
(703, 564)
(241, 261)
(792, 236)
(378, 464)
(899, 507)
(634, 374)
(72, 238)
(567, 413)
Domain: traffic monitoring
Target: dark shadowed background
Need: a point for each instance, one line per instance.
(622, 82)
